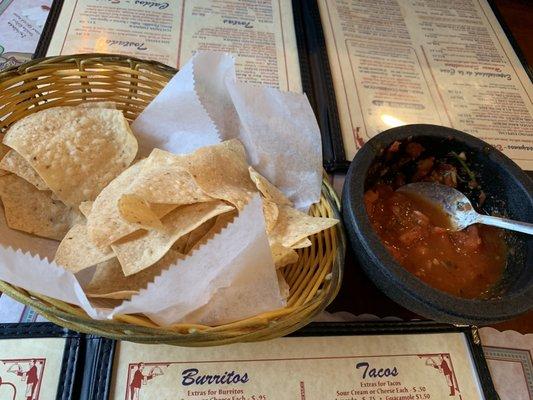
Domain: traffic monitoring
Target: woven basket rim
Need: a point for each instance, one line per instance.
(82, 58)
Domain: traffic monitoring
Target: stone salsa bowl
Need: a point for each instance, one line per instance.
(509, 192)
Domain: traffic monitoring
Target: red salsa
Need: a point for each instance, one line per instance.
(466, 264)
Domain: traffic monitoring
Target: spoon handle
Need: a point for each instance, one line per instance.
(518, 226)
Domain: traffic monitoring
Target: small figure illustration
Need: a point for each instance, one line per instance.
(442, 364)
(448, 374)
(30, 377)
(359, 141)
(139, 379)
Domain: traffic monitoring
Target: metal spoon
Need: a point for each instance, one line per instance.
(457, 206)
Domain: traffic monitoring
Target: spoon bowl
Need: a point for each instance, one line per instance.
(458, 207)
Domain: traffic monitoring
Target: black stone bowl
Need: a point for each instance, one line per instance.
(509, 192)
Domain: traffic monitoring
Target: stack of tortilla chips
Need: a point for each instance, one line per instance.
(71, 174)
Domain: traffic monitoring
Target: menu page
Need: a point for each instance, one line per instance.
(21, 24)
(387, 367)
(259, 33)
(442, 62)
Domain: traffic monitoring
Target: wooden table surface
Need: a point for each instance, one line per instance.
(358, 294)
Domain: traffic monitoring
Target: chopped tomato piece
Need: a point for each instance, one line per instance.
(393, 148)
(414, 149)
(410, 236)
(424, 167)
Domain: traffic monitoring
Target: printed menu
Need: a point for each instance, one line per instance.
(386, 367)
(259, 33)
(445, 62)
(21, 24)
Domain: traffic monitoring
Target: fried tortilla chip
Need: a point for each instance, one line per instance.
(3, 148)
(282, 255)
(162, 209)
(85, 208)
(76, 218)
(221, 171)
(194, 237)
(104, 224)
(137, 210)
(109, 281)
(221, 222)
(34, 211)
(148, 181)
(111, 105)
(77, 151)
(181, 244)
(16, 164)
(157, 183)
(302, 244)
(268, 190)
(142, 249)
(3, 151)
(270, 212)
(293, 226)
(76, 252)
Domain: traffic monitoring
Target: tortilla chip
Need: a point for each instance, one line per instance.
(76, 218)
(220, 223)
(221, 171)
(181, 244)
(15, 163)
(160, 210)
(3, 151)
(270, 212)
(194, 237)
(136, 210)
(109, 281)
(148, 181)
(302, 244)
(293, 226)
(104, 224)
(282, 255)
(76, 252)
(157, 183)
(111, 105)
(86, 207)
(143, 249)
(268, 190)
(77, 151)
(34, 211)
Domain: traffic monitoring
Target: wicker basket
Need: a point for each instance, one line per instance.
(131, 83)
